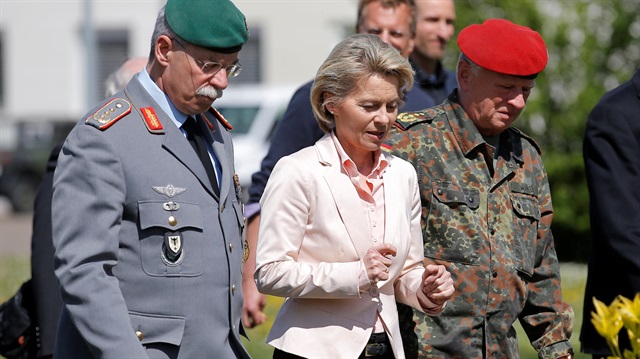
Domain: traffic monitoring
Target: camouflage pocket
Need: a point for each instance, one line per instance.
(452, 231)
(525, 228)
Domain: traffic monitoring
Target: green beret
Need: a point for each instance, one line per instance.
(214, 24)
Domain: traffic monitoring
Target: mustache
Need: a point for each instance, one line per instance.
(209, 91)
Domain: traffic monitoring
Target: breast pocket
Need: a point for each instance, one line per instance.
(452, 224)
(526, 216)
(171, 238)
(154, 329)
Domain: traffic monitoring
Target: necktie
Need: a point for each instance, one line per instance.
(197, 141)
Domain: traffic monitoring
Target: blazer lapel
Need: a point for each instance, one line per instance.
(393, 201)
(345, 197)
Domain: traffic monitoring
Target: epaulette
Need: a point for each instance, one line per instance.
(109, 113)
(221, 119)
(526, 137)
(407, 119)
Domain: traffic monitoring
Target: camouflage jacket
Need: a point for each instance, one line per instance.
(486, 217)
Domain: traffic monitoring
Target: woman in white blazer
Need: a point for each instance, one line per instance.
(340, 233)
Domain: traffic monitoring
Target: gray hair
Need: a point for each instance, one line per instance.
(161, 28)
(355, 58)
(475, 68)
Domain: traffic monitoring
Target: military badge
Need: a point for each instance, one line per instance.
(171, 206)
(236, 181)
(172, 246)
(245, 253)
(169, 190)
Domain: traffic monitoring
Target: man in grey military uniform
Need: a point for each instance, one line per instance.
(147, 217)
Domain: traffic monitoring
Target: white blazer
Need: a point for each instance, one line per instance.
(313, 234)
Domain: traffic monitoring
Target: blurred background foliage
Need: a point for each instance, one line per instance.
(594, 45)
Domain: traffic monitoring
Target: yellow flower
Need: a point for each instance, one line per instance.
(630, 312)
(608, 322)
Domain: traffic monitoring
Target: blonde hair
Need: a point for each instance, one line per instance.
(355, 58)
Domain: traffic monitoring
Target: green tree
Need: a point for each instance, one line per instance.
(594, 45)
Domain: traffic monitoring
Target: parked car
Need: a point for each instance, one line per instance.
(253, 111)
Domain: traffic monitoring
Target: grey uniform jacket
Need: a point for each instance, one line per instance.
(120, 188)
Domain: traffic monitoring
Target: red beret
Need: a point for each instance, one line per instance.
(502, 46)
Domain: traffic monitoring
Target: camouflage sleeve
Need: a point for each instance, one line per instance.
(546, 318)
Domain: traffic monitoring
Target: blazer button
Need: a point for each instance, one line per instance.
(374, 291)
(172, 220)
(139, 335)
(233, 289)
(230, 247)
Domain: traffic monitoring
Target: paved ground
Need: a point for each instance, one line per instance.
(15, 234)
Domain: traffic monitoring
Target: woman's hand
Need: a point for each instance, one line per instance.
(437, 284)
(377, 262)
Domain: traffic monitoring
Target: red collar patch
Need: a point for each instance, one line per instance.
(151, 119)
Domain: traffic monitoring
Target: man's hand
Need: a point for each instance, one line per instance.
(437, 284)
(254, 302)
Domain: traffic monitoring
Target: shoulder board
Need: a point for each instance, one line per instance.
(221, 119)
(519, 133)
(407, 119)
(109, 113)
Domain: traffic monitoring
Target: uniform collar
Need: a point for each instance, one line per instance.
(161, 99)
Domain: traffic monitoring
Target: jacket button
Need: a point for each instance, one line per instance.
(172, 220)
(233, 289)
(494, 274)
(139, 335)
(230, 247)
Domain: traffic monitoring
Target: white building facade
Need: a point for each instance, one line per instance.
(45, 62)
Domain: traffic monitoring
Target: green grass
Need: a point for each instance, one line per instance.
(15, 270)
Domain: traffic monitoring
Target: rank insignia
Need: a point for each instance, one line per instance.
(169, 190)
(245, 253)
(151, 120)
(109, 114)
(172, 246)
(236, 181)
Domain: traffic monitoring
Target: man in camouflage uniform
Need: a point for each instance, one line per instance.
(486, 204)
